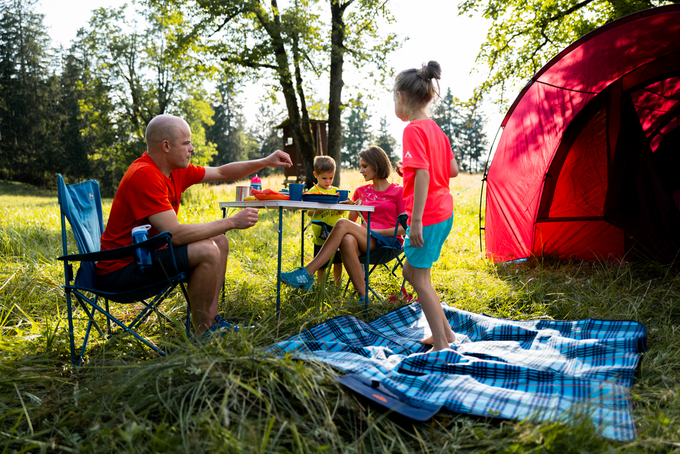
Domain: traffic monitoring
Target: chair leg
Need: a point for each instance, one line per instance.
(186, 297)
(108, 322)
(91, 322)
(87, 335)
(80, 298)
(71, 335)
(125, 328)
(150, 307)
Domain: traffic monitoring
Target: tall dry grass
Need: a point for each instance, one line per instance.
(227, 397)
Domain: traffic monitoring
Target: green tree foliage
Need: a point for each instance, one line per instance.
(138, 64)
(462, 123)
(356, 31)
(195, 108)
(357, 133)
(257, 37)
(471, 142)
(83, 113)
(227, 130)
(265, 133)
(147, 67)
(446, 114)
(385, 140)
(292, 43)
(525, 34)
(27, 88)
(77, 147)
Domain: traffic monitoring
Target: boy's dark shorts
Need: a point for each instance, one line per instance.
(126, 278)
(336, 259)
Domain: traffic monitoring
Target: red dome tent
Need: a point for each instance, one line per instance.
(589, 159)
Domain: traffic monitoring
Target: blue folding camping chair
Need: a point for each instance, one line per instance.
(384, 255)
(81, 205)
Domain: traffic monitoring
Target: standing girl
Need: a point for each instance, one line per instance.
(427, 165)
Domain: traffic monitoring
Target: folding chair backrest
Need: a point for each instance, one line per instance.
(81, 204)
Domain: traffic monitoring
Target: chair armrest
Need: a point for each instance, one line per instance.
(401, 220)
(323, 225)
(153, 243)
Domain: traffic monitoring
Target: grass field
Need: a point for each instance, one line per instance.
(226, 397)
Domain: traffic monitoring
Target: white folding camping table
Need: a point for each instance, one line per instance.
(302, 207)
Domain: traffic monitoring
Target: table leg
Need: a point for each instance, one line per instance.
(278, 269)
(224, 278)
(368, 257)
(302, 240)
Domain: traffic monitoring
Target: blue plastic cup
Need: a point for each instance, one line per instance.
(295, 191)
(343, 194)
(143, 263)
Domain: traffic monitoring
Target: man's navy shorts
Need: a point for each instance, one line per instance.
(126, 278)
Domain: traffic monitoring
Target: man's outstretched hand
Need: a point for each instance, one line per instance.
(244, 219)
(279, 159)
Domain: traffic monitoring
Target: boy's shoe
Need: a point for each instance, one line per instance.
(298, 278)
(362, 301)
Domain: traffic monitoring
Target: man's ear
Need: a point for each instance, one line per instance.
(165, 146)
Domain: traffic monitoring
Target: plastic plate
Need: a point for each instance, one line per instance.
(271, 197)
(320, 198)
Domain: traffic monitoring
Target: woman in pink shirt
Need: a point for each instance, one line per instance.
(350, 237)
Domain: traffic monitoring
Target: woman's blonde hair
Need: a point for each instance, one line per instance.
(378, 159)
(417, 87)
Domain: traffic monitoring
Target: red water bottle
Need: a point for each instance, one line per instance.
(255, 183)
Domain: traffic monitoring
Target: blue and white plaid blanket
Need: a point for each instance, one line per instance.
(540, 370)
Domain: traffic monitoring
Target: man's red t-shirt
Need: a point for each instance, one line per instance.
(142, 192)
(425, 146)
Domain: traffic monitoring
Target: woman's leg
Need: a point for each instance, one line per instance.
(350, 251)
(337, 273)
(342, 227)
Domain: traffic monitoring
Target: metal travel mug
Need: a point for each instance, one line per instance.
(242, 192)
(143, 262)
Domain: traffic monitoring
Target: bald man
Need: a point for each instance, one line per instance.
(150, 193)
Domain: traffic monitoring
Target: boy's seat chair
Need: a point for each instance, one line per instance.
(384, 255)
(81, 205)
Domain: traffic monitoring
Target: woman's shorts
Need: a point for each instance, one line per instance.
(386, 241)
(434, 237)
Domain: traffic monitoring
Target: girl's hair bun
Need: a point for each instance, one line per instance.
(430, 71)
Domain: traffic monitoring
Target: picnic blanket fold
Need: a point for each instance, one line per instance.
(544, 370)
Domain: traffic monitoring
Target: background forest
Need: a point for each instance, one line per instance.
(82, 111)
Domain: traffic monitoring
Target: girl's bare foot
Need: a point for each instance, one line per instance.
(432, 350)
(450, 338)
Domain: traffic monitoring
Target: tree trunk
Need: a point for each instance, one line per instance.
(336, 84)
(301, 130)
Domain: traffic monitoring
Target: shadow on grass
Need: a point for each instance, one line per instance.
(13, 188)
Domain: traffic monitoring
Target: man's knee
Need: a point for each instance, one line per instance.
(204, 251)
(222, 244)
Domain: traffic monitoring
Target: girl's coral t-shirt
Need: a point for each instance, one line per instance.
(425, 146)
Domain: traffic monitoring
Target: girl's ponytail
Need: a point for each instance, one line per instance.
(417, 87)
(430, 71)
